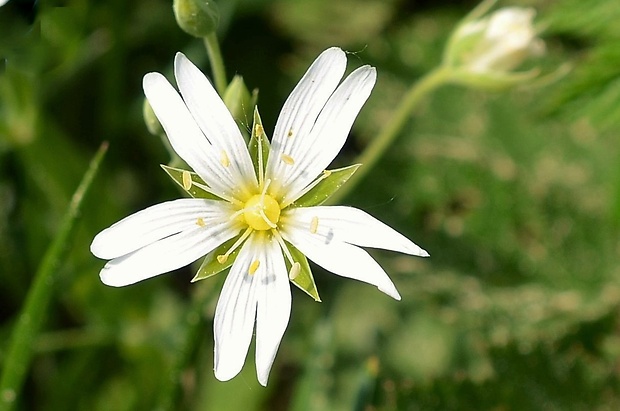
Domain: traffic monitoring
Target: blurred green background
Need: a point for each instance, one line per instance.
(515, 195)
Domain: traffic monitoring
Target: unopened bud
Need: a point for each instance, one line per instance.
(492, 47)
(197, 18)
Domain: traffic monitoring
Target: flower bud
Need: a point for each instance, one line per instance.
(197, 18)
(492, 47)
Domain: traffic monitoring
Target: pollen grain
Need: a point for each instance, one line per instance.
(187, 180)
(253, 267)
(314, 224)
(287, 159)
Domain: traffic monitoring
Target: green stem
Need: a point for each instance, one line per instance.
(19, 351)
(217, 63)
(391, 130)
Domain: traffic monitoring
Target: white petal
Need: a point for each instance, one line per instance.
(341, 258)
(214, 118)
(350, 225)
(274, 307)
(165, 255)
(154, 223)
(235, 314)
(304, 104)
(184, 134)
(313, 153)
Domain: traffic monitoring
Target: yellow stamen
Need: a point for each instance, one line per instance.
(224, 159)
(314, 224)
(253, 267)
(187, 180)
(287, 159)
(295, 269)
(222, 258)
(200, 222)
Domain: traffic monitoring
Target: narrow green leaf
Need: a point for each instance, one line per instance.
(328, 186)
(176, 174)
(258, 146)
(32, 315)
(304, 279)
(210, 266)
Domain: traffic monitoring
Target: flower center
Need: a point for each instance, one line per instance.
(261, 212)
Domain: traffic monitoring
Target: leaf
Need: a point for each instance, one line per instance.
(258, 146)
(176, 174)
(211, 266)
(304, 279)
(326, 187)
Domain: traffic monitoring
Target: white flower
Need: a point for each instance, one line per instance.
(253, 207)
(499, 42)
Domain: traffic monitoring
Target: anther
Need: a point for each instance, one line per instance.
(224, 159)
(187, 180)
(253, 267)
(287, 159)
(200, 222)
(314, 224)
(258, 130)
(295, 269)
(222, 258)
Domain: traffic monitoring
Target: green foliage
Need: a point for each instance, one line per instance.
(516, 196)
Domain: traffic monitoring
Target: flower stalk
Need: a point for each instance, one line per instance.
(217, 63)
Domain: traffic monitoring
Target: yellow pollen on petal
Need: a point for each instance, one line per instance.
(224, 159)
(295, 269)
(253, 267)
(187, 180)
(200, 222)
(287, 159)
(290, 133)
(261, 212)
(327, 173)
(222, 258)
(314, 224)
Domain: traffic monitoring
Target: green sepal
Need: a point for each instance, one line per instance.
(210, 266)
(258, 144)
(493, 81)
(326, 187)
(176, 174)
(305, 279)
(238, 100)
